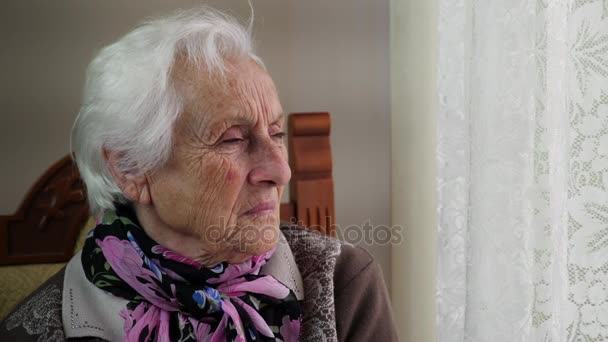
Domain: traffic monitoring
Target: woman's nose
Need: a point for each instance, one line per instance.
(270, 165)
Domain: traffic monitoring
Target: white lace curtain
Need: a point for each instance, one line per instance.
(522, 170)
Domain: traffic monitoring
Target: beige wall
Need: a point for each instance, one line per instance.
(413, 63)
(323, 55)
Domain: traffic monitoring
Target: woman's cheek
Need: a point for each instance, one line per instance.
(231, 176)
(221, 179)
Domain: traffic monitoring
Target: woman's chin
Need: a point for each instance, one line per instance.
(257, 244)
(240, 257)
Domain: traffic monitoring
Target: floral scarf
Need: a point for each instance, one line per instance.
(174, 298)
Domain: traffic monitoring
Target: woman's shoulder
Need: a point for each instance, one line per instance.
(315, 250)
(311, 244)
(38, 317)
(343, 288)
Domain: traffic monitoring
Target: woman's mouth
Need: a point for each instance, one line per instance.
(264, 208)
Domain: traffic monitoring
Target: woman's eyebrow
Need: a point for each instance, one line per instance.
(280, 118)
(246, 120)
(217, 126)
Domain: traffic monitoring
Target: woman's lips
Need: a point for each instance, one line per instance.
(264, 208)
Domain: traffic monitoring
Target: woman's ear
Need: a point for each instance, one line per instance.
(135, 187)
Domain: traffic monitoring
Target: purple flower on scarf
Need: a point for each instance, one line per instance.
(251, 266)
(266, 285)
(290, 330)
(143, 317)
(121, 253)
(202, 331)
(259, 322)
(230, 311)
(171, 255)
(128, 265)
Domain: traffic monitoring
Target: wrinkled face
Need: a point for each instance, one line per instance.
(224, 182)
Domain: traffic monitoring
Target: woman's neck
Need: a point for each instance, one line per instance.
(188, 245)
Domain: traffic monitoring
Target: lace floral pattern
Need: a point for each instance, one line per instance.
(316, 257)
(523, 171)
(40, 315)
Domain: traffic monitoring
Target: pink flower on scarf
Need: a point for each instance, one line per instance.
(202, 331)
(290, 330)
(251, 266)
(136, 321)
(171, 255)
(128, 265)
(266, 285)
(258, 321)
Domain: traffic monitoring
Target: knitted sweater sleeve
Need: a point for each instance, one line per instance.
(363, 311)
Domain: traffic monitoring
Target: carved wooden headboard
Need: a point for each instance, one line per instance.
(47, 223)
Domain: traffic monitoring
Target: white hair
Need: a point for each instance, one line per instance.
(130, 103)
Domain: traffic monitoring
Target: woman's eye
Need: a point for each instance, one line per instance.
(280, 135)
(232, 141)
(233, 136)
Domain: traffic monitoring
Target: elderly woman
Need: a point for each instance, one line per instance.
(180, 144)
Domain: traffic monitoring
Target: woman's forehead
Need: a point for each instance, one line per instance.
(239, 78)
(244, 98)
(221, 120)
